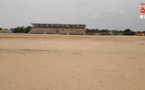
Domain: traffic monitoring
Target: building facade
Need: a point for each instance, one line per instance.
(66, 29)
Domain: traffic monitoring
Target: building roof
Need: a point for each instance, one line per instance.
(55, 24)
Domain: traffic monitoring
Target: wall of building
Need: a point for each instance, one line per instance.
(57, 31)
(42, 31)
(77, 31)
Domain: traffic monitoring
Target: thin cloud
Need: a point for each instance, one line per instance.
(115, 10)
(119, 14)
(95, 16)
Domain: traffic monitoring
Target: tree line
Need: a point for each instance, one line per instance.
(21, 29)
(114, 32)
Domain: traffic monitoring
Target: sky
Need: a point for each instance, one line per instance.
(101, 14)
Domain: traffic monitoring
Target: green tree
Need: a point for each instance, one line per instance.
(18, 30)
(27, 29)
(21, 29)
(128, 32)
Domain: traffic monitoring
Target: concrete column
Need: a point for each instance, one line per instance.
(68, 30)
(85, 32)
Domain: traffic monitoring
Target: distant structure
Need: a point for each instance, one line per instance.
(110, 32)
(65, 29)
(5, 31)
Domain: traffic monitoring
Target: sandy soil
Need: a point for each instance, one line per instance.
(55, 62)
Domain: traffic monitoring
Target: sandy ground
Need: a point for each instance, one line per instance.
(55, 62)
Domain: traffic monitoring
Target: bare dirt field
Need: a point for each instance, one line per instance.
(62, 62)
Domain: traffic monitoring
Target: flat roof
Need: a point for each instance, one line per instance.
(55, 24)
